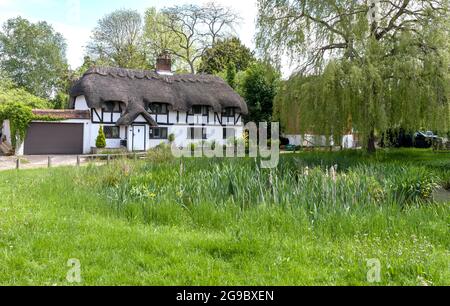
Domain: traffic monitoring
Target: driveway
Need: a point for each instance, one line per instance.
(31, 162)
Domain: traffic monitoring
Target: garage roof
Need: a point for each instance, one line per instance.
(65, 114)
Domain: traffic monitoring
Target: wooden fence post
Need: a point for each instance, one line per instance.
(18, 163)
(108, 159)
(78, 161)
(49, 161)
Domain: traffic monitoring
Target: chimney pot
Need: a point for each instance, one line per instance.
(164, 63)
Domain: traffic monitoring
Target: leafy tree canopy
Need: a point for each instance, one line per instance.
(118, 41)
(33, 56)
(159, 39)
(258, 85)
(363, 65)
(226, 52)
(11, 94)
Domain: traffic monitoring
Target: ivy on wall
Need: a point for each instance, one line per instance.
(20, 117)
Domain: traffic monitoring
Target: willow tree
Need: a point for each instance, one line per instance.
(366, 65)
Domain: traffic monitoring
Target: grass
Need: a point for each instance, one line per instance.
(228, 222)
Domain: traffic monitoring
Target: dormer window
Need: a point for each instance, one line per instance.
(199, 110)
(229, 112)
(159, 109)
(112, 107)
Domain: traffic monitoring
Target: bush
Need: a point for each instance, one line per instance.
(100, 143)
(172, 138)
(193, 146)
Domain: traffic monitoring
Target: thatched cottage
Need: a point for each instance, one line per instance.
(140, 110)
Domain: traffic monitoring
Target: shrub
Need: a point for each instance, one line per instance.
(193, 146)
(172, 138)
(100, 143)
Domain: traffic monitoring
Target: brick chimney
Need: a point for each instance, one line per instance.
(164, 64)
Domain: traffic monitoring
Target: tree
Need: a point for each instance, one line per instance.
(11, 94)
(33, 55)
(117, 41)
(259, 88)
(225, 52)
(231, 75)
(363, 65)
(100, 142)
(219, 20)
(159, 39)
(87, 64)
(196, 28)
(185, 22)
(60, 101)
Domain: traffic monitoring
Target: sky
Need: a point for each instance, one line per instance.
(75, 19)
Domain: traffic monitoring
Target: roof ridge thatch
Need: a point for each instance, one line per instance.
(150, 74)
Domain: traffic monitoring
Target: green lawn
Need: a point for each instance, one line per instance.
(227, 222)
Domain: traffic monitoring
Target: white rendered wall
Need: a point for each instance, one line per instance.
(81, 104)
(7, 131)
(178, 126)
(311, 140)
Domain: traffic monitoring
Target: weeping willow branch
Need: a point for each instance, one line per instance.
(363, 65)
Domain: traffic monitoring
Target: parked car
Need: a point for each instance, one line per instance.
(424, 140)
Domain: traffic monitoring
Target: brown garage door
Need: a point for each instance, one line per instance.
(54, 138)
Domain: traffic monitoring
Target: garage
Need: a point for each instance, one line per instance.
(54, 138)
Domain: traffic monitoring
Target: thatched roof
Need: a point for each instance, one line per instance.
(139, 88)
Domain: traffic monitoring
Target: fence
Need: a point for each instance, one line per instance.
(78, 161)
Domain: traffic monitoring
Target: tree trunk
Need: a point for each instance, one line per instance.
(371, 148)
(191, 65)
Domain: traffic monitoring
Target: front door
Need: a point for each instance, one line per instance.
(139, 138)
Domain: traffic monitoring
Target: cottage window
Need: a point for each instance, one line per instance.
(112, 132)
(200, 110)
(111, 107)
(159, 109)
(158, 133)
(197, 133)
(229, 112)
(229, 133)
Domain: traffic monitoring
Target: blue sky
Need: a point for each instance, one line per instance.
(75, 19)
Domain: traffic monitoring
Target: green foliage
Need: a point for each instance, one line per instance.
(159, 39)
(33, 56)
(259, 87)
(224, 53)
(100, 142)
(172, 138)
(19, 116)
(117, 41)
(87, 64)
(231, 76)
(60, 101)
(369, 76)
(11, 94)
